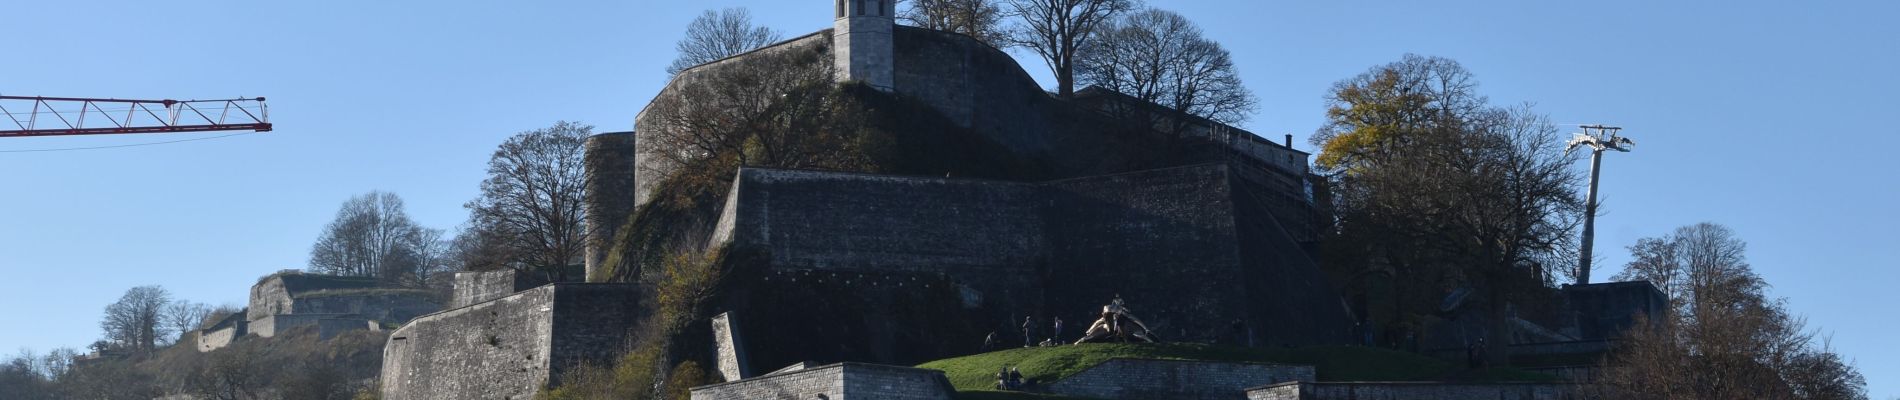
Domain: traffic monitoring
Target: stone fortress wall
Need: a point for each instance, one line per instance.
(975, 86)
(1416, 391)
(329, 304)
(303, 293)
(841, 381)
(609, 159)
(1006, 250)
(480, 286)
(213, 339)
(508, 347)
(1134, 378)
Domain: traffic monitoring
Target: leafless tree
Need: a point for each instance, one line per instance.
(1058, 30)
(232, 373)
(719, 34)
(479, 248)
(531, 199)
(769, 110)
(57, 362)
(371, 236)
(776, 109)
(1724, 338)
(980, 19)
(1160, 57)
(184, 316)
(421, 259)
(137, 319)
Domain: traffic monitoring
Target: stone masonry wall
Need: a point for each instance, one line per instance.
(476, 287)
(392, 306)
(837, 382)
(803, 384)
(648, 169)
(1606, 310)
(1414, 391)
(1011, 250)
(1126, 378)
(272, 325)
(609, 159)
(492, 350)
(328, 328)
(592, 324)
(843, 221)
(507, 348)
(277, 293)
(216, 339)
(1149, 236)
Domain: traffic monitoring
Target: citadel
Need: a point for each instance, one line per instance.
(853, 277)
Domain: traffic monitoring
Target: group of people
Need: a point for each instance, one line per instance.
(1009, 378)
(1116, 321)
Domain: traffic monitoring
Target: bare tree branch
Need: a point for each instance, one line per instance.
(1058, 29)
(719, 34)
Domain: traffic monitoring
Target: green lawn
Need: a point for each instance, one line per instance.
(976, 374)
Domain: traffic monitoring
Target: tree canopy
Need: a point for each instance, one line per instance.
(719, 34)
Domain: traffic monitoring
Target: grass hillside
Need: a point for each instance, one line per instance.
(1333, 363)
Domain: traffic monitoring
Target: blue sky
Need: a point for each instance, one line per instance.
(1769, 117)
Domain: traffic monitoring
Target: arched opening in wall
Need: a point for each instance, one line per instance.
(840, 4)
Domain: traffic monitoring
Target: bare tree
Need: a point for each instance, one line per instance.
(371, 236)
(1057, 30)
(719, 34)
(770, 110)
(57, 362)
(137, 319)
(429, 256)
(232, 373)
(1161, 57)
(776, 109)
(1725, 338)
(979, 19)
(184, 316)
(532, 198)
(479, 248)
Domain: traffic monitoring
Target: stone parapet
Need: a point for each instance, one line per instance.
(1134, 378)
(1416, 391)
(838, 382)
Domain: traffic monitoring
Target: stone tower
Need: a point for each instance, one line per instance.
(861, 42)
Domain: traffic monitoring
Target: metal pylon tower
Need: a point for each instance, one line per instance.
(1604, 138)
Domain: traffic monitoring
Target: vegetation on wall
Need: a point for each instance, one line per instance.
(293, 365)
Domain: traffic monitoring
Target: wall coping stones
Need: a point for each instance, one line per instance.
(1431, 390)
(1142, 378)
(942, 381)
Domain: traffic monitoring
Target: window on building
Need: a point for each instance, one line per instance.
(860, 7)
(840, 4)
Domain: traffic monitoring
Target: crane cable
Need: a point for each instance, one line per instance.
(125, 145)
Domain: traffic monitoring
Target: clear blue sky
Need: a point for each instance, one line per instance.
(1770, 117)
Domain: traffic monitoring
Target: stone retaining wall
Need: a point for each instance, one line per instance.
(1129, 378)
(272, 325)
(1414, 391)
(510, 347)
(836, 382)
(216, 339)
(476, 287)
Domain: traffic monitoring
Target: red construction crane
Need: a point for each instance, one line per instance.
(60, 116)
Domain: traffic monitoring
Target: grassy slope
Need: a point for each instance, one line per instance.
(1334, 363)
